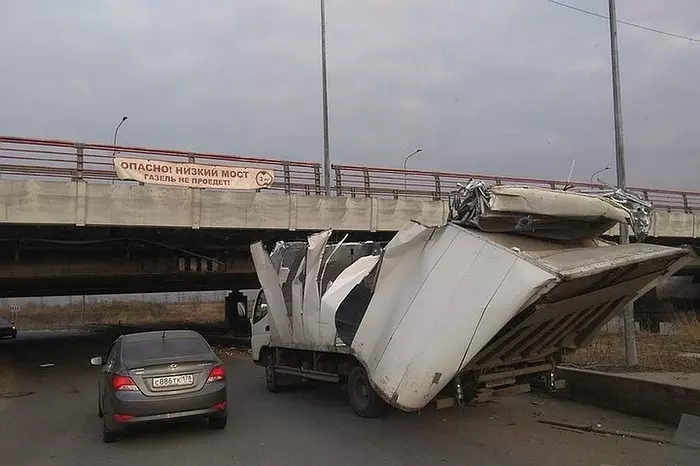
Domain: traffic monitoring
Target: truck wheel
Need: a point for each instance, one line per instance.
(270, 375)
(363, 399)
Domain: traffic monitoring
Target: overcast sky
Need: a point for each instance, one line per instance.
(509, 87)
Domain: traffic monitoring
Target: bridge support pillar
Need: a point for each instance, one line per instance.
(236, 305)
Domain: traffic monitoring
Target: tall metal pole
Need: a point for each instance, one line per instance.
(326, 143)
(630, 343)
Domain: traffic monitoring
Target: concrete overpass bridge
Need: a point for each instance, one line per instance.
(69, 226)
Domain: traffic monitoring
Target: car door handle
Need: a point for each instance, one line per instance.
(267, 328)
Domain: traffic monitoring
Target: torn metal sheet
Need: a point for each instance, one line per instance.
(280, 324)
(547, 213)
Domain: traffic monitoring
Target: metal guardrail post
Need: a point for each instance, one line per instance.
(396, 194)
(365, 176)
(352, 192)
(338, 182)
(287, 177)
(80, 161)
(498, 181)
(317, 179)
(438, 194)
(686, 207)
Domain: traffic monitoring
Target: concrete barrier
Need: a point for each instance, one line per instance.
(652, 399)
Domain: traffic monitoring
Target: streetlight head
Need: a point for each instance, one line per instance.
(420, 149)
(124, 118)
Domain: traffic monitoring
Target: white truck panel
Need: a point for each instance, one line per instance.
(312, 298)
(338, 291)
(280, 329)
(463, 290)
(377, 327)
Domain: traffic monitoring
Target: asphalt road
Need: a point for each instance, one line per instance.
(58, 425)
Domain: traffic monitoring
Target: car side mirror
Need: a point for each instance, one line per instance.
(96, 361)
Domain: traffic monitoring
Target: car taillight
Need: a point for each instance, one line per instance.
(219, 406)
(123, 417)
(217, 373)
(123, 383)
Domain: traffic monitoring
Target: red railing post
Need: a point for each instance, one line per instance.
(287, 177)
(80, 161)
(338, 182)
(317, 179)
(365, 173)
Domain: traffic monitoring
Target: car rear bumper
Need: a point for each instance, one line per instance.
(164, 408)
(174, 416)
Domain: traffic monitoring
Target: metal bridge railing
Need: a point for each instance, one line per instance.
(23, 158)
(363, 181)
(55, 159)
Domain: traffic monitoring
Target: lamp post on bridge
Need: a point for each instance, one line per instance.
(405, 161)
(116, 131)
(598, 172)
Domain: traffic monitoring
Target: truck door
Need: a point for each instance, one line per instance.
(260, 325)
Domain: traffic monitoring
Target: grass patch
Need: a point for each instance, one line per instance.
(655, 352)
(117, 313)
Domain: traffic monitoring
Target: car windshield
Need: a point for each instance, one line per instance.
(164, 348)
(4, 321)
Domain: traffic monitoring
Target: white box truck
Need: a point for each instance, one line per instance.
(481, 306)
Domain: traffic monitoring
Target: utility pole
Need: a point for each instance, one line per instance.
(326, 143)
(630, 343)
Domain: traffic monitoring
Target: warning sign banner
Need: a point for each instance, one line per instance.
(192, 175)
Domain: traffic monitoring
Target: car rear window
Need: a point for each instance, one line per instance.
(164, 348)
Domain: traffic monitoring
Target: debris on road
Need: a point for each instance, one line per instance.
(599, 429)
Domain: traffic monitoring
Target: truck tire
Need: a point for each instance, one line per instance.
(271, 379)
(363, 399)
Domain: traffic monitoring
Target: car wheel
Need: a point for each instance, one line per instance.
(363, 399)
(217, 422)
(270, 375)
(108, 436)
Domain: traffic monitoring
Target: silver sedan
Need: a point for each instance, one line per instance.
(160, 376)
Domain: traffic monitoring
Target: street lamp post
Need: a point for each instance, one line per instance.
(324, 80)
(598, 172)
(630, 343)
(405, 161)
(116, 131)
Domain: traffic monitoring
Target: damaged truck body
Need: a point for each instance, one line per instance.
(483, 305)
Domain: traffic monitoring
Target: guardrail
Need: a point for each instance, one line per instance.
(55, 159)
(363, 181)
(46, 158)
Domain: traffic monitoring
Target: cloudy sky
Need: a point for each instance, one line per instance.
(510, 87)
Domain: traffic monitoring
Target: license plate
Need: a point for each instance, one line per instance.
(173, 381)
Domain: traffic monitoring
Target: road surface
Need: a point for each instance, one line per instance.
(57, 424)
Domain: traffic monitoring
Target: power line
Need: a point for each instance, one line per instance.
(626, 23)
